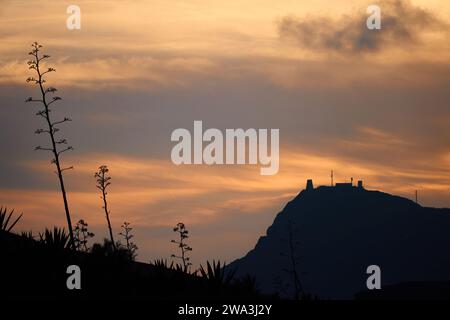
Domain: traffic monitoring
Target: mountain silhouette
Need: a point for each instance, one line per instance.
(338, 232)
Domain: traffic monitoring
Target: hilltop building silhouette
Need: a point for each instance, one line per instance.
(340, 185)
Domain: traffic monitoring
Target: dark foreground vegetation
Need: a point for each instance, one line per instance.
(37, 269)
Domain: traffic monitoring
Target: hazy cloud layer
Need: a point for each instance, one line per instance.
(402, 25)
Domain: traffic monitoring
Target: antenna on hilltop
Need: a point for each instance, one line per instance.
(331, 177)
(416, 197)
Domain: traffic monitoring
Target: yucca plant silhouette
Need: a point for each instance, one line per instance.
(216, 274)
(55, 239)
(5, 218)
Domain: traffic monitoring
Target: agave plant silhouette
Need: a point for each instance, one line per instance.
(5, 225)
(162, 263)
(27, 235)
(216, 273)
(55, 239)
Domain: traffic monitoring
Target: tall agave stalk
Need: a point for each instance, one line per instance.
(57, 145)
(103, 182)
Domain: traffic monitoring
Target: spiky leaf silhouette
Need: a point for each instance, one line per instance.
(27, 235)
(162, 263)
(55, 239)
(215, 273)
(5, 224)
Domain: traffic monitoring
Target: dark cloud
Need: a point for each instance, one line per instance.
(402, 23)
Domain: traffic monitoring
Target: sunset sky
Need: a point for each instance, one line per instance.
(373, 105)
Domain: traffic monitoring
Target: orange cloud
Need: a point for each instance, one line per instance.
(158, 45)
(154, 193)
